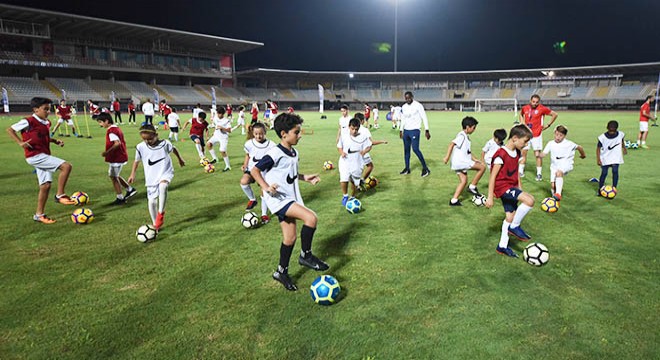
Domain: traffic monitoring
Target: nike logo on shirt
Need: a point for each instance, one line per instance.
(352, 151)
(511, 173)
(254, 158)
(559, 157)
(152, 163)
(290, 180)
(613, 146)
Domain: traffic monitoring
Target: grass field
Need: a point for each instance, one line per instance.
(420, 279)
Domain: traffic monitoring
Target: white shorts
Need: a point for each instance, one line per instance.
(349, 172)
(216, 139)
(114, 169)
(68, 122)
(45, 165)
(644, 126)
(536, 143)
(463, 166)
(367, 159)
(561, 167)
(240, 121)
(152, 191)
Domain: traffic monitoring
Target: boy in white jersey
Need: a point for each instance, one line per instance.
(562, 152)
(343, 121)
(375, 112)
(255, 149)
(368, 162)
(492, 146)
(173, 122)
(609, 153)
(352, 147)
(462, 160)
(220, 136)
(241, 119)
(158, 170)
(277, 174)
(396, 117)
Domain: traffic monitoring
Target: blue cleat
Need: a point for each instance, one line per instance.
(506, 251)
(344, 200)
(593, 180)
(519, 233)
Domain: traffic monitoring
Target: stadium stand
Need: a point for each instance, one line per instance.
(24, 89)
(77, 89)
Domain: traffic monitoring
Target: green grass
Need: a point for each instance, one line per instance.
(419, 279)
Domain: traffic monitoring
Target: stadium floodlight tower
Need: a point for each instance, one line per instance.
(396, 33)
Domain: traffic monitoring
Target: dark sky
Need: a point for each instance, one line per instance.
(434, 35)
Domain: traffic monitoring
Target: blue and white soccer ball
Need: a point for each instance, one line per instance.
(634, 145)
(325, 290)
(627, 144)
(353, 206)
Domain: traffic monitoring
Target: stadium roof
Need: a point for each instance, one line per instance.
(623, 69)
(64, 25)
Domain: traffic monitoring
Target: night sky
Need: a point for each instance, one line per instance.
(433, 35)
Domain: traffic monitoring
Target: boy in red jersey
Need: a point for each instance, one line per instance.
(116, 109)
(116, 156)
(644, 116)
(198, 128)
(504, 183)
(131, 111)
(94, 109)
(64, 115)
(532, 115)
(230, 111)
(255, 113)
(35, 140)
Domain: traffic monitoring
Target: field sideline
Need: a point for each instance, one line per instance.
(419, 279)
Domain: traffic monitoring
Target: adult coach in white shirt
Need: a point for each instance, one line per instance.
(148, 111)
(412, 116)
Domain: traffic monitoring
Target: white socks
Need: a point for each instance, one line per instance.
(212, 152)
(200, 152)
(264, 208)
(520, 215)
(247, 189)
(162, 196)
(226, 158)
(559, 185)
(504, 237)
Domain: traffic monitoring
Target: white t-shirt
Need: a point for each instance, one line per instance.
(173, 120)
(241, 117)
(148, 109)
(611, 151)
(375, 112)
(256, 150)
(343, 124)
(396, 113)
(221, 123)
(353, 163)
(156, 161)
(561, 154)
(461, 155)
(413, 115)
(284, 173)
(489, 149)
(196, 112)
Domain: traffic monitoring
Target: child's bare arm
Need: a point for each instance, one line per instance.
(449, 150)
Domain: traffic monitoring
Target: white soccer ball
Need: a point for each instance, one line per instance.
(536, 254)
(146, 233)
(479, 200)
(249, 220)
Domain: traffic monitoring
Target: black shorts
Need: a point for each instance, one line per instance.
(510, 199)
(174, 129)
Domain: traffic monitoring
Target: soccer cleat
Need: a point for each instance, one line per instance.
(361, 187)
(43, 219)
(644, 146)
(64, 200)
(118, 201)
(405, 171)
(519, 233)
(522, 174)
(557, 196)
(160, 218)
(506, 251)
(251, 204)
(426, 172)
(539, 177)
(265, 219)
(593, 180)
(130, 193)
(457, 203)
(474, 191)
(226, 169)
(313, 263)
(285, 280)
(213, 161)
(344, 200)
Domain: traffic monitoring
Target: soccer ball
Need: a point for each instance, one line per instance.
(203, 162)
(146, 233)
(80, 197)
(550, 205)
(209, 168)
(627, 144)
(536, 254)
(325, 290)
(82, 216)
(608, 192)
(249, 220)
(353, 206)
(371, 182)
(328, 165)
(634, 145)
(478, 200)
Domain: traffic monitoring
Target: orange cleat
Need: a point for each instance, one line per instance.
(159, 220)
(43, 219)
(64, 200)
